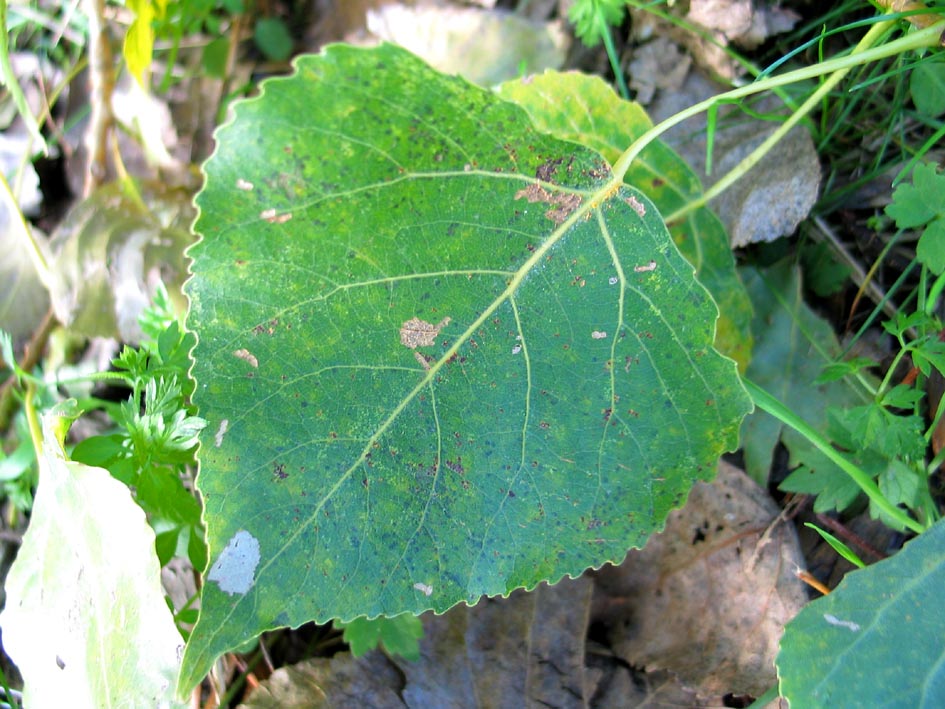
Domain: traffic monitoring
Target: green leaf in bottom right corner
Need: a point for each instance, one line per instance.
(877, 640)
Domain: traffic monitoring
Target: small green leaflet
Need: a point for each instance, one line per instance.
(923, 202)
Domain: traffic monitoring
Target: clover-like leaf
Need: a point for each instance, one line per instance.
(441, 354)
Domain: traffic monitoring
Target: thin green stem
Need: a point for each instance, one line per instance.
(766, 698)
(32, 419)
(935, 292)
(752, 159)
(612, 56)
(766, 402)
(891, 370)
(20, 231)
(916, 40)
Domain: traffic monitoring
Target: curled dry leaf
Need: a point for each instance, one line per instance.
(109, 253)
(525, 650)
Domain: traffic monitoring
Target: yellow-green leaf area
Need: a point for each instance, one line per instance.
(442, 354)
(585, 109)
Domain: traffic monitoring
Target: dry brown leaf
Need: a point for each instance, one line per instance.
(709, 597)
(342, 681)
(525, 650)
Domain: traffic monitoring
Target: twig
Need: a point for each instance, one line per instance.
(848, 535)
(31, 356)
(101, 71)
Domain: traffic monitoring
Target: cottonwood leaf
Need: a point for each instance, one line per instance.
(442, 355)
(586, 110)
(876, 640)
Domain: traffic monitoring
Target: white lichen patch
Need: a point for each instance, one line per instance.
(221, 432)
(424, 589)
(234, 570)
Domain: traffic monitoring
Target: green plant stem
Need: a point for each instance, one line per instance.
(32, 419)
(766, 402)
(21, 231)
(612, 56)
(8, 78)
(924, 38)
(752, 159)
(766, 698)
(935, 292)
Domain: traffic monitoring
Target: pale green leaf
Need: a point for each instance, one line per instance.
(792, 344)
(399, 635)
(85, 619)
(927, 86)
(921, 200)
(931, 247)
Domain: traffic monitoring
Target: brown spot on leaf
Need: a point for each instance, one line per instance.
(273, 217)
(547, 169)
(419, 333)
(562, 203)
(247, 356)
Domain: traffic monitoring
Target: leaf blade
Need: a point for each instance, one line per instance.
(528, 426)
(875, 640)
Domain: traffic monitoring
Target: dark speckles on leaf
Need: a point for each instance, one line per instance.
(546, 171)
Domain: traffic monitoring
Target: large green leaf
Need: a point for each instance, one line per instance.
(876, 641)
(85, 617)
(442, 355)
(586, 110)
